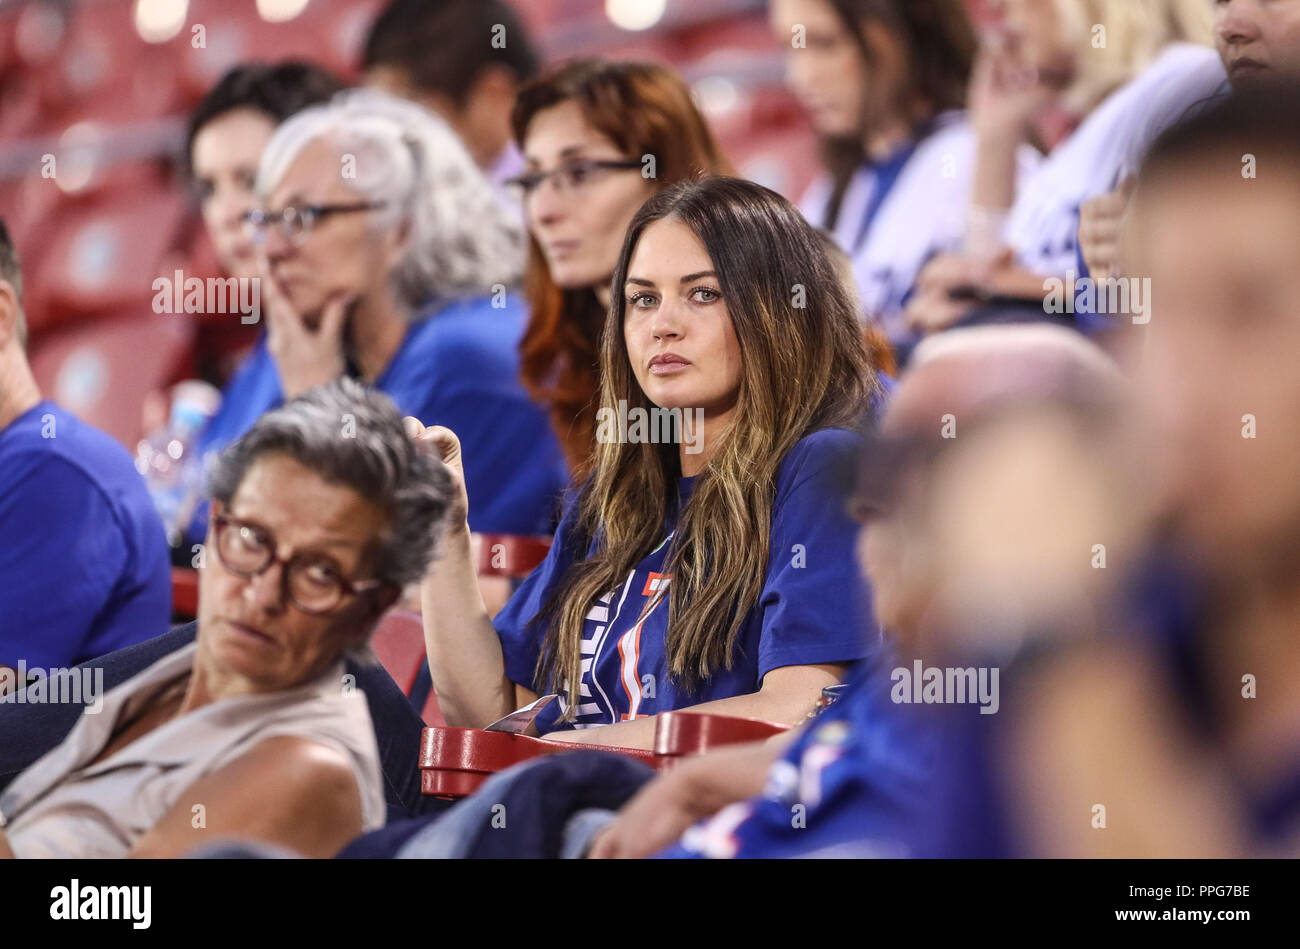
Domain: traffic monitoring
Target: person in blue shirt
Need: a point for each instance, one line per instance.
(385, 255)
(83, 557)
(862, 778)
(702, 565)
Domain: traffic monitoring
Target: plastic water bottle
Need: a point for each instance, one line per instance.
(168, 457)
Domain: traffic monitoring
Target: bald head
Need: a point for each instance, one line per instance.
(972, 373)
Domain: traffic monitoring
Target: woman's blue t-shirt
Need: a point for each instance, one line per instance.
(813, 607)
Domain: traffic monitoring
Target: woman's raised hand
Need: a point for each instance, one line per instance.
(1007, 93)
(445, 446)
(305, 356)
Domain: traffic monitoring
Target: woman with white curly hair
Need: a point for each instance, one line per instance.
(385, 255)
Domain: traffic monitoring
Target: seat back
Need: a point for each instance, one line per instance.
(509, 555)
(398, 642)
(185, 594)
(103, 370)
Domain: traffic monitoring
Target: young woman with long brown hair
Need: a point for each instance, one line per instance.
(716, 572)
(598, 139)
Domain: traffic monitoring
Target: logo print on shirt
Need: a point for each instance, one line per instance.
(656, 583)
(629, 646)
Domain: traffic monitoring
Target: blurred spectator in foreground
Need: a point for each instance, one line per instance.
(1224, 461)
(1122, 70)
(884, 83)
(599, 139)
(1174, 732)
(83, 560)
(465, 59)
(385, 255)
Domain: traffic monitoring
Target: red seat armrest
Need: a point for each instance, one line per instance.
(681, 733)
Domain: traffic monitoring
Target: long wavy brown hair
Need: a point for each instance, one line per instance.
(644, 109)
(804, 368)
(939, 45)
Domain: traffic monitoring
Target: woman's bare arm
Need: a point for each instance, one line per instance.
(289, 791)
(786, 696)
(465, 656)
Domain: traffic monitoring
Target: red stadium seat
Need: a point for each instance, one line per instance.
(784, 160)
(29, 206)
(8, 54)
(104, 256)
(737, 39)
(101, 371)
(454, 762)
(678, 734)
(20, 105)
(185, 594)
(329, 32)
(105, 71)
(220, 342)
(509, 555)
(399, 645)
(39, 30)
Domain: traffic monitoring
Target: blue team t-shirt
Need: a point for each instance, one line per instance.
(458, 366)
(813, 607)
(83, 558)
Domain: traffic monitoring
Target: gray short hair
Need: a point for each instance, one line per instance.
(464, 239)
(353, 436)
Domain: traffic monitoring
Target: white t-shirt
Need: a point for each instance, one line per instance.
(1108, 146)
(923, 214)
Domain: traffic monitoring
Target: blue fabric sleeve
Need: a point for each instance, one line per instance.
(460, 368)
(503, 440)
(520, 643)
(61, 552)
(252, 390)
(815, 606)
(1085, 320)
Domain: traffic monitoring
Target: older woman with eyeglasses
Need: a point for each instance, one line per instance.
(385, 255)
(255, 730)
